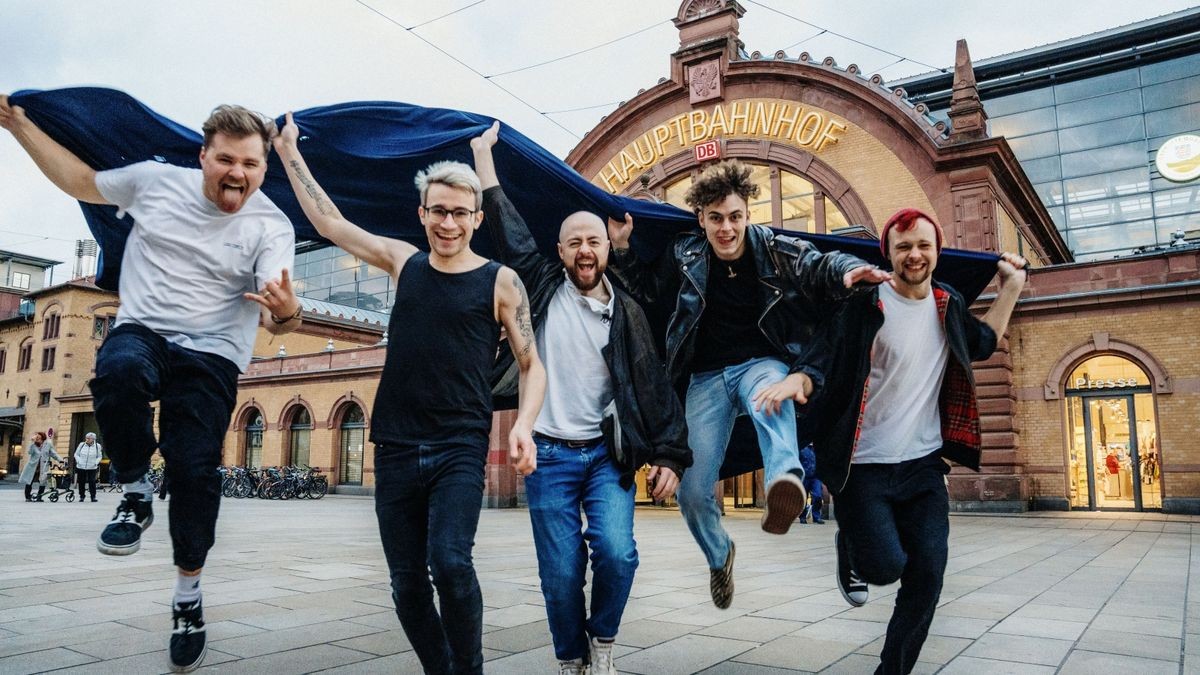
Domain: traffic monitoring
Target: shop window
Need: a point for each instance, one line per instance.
(352, 432)
(43, 398)
(1113, 456)
(50, 326)
(253, 436)
(25, 355)
(48, 358)
(299, 437)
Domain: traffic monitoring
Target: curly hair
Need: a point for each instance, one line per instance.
(718, 182)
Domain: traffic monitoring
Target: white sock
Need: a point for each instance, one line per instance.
(143, 487)
(187, 588)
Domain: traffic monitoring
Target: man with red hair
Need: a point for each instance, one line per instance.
(899, 400)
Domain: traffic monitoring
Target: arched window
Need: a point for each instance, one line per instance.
(352, 433)
(25, 355)
(50, 325)
(1114, 460)
(299, 437)
(786, 200)
(254, 439)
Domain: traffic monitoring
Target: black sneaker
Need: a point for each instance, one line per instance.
(854, 590)
(188, 640)
(123, 534)
(720, 582)
(786, 497)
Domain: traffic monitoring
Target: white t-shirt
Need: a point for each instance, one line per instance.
(578, 384)
(908, 362)
(187, 263)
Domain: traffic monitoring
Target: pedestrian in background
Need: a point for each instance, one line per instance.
(812, 484)
(37, 466)
(87, 464)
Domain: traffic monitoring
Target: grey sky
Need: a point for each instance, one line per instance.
(184, 56)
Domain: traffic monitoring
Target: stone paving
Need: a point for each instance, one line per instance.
(297, 587)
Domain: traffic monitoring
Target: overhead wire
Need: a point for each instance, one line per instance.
(656, 24)
(846, 37)
(439, 18)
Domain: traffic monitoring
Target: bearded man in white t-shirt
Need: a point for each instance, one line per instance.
(207, 259)
(899, 401)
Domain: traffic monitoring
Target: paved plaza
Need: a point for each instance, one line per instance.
(297, 587)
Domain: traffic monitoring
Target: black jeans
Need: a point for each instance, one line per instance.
(427, 499)
(196, 392)
(86, 478)
(896, 521)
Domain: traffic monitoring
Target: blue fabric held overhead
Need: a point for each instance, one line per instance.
(365, 155)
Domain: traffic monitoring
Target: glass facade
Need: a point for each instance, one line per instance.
(332, 275)
(1088, 146)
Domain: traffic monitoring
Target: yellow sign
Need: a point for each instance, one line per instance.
(1178, 159)
(772, 119)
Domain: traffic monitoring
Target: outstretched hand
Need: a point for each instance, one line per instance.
(288, 135)
(619, 231)
(869, 274)
(277, 296)
(11, 116)
(487, 139)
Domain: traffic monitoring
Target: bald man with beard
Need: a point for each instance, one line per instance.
(609, 410)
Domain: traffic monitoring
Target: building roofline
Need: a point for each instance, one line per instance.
(1155, 38)
(44, 263)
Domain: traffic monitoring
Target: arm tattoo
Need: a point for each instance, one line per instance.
(324, 206)
(524, 324)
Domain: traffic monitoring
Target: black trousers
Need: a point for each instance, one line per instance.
(196, 392)
(86, 478)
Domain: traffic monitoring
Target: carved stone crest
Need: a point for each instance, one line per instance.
(704, 81)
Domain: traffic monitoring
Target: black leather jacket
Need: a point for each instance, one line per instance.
(648, 413)
(799, 287)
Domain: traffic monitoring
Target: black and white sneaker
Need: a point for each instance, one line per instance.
(854, 590)
(123, 534)
(189, 642)
(720, 581)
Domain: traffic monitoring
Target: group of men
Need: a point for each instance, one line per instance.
(208, 260)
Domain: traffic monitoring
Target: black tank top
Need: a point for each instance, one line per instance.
(442, 340)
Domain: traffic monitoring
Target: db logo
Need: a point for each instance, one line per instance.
(707, 150)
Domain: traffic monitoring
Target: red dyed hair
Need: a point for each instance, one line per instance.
(903, 221)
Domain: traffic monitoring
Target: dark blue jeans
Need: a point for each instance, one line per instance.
(196, 392)
(896, 521)
(427, 500)
(568, 480)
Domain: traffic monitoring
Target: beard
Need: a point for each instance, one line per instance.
(585, 285)
(915, 278)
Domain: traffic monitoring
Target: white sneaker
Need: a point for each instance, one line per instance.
(572, 667)
(602, 658)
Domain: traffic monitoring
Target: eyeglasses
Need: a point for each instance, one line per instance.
(461, 216)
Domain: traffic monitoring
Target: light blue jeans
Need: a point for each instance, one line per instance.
(569, 481)
(714, 400)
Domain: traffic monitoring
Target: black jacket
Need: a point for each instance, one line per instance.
(843, 351)
(799, 286)
(648, 413)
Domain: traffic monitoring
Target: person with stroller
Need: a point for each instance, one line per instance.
(39, 458)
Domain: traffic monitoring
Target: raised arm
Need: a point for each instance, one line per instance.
(1013, 271)
(514, 242)
(386, 254)
(512, 309)
(63, 168)
(645, 282)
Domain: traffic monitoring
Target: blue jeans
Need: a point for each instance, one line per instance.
(714, 400)
(196, 392)
(896, 521)
(568, 479)
(427, 500)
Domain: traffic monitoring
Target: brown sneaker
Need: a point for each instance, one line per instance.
(720, 582)
(786, 498)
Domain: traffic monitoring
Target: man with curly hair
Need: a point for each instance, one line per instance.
(745, 303)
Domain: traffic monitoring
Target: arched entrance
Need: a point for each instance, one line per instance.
(253, 439)
(299, 436)
(351, 439)
(1113, 458)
